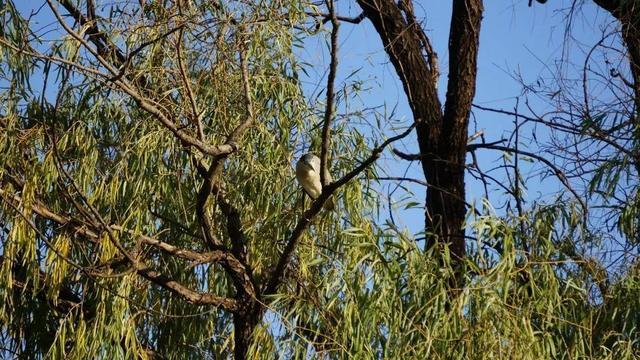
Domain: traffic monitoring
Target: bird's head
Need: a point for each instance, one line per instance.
(308, 160)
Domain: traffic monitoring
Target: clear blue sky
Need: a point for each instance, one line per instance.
(514, 38)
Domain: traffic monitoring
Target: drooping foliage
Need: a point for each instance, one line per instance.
(111, 117)
(74, 143)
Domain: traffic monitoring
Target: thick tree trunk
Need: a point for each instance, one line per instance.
(628, 13)
(243, 333)
(244, 323)
(464, 37)
(442, 136)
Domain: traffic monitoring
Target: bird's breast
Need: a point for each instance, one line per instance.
(310, 181)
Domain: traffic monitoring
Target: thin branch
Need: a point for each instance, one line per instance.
(472, 147)
(53, 58)
(229, 147)
(277, 276)
(184, 229)
(143, 270)
(432, 57)
(98, 38)
(327, 17)
(599, 135)
(558, 173)
(328, 112)
(420, 157)
(425, 184)
(94, 212)
(399, 178)
(216, 167)
(408, 157)
(189, 295)
(195, 113)
(237, 133)
(211, 185)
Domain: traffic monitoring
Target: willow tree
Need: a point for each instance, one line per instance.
(149, 207)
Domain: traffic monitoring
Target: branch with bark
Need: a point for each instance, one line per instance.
(328, 112)
(79, 228)
(278, 274)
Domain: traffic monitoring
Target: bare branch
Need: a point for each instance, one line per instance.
(327, 17)
(408, 157)
(599, 135)
(558, 173)
(328, 112)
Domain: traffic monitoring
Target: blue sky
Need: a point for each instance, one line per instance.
(514, 39)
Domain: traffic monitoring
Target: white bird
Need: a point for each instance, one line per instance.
(308, 175)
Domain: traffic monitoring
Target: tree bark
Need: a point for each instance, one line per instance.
(442, 136)
(244, 324)
(627, 12)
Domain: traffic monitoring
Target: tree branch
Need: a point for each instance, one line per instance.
(327, 17)
(211, 179)
(277, 275)
(229, 147)
(559, 174)
(328, 112)
(143, 270)
(98, 38)
(195, 113)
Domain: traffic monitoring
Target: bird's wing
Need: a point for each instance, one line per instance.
(315, 163)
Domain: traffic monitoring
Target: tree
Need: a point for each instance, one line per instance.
(442, 136)
(593, 125)
(149, 208)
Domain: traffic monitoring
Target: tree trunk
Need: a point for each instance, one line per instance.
(631, 36)
(244, 324)
(627, 12)
(442, 136)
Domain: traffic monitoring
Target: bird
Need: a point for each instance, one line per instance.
(308, 175)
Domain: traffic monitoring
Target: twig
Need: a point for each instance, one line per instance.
(559, 174)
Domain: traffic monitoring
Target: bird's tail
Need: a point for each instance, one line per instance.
(330, 204)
